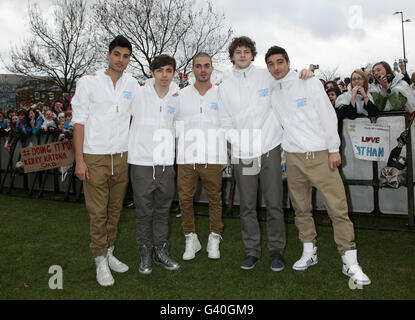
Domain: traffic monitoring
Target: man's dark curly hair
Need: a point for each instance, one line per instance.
(242, 42)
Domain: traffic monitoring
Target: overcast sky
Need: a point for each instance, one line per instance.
(345, 34)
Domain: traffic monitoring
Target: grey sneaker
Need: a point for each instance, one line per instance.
(146, 254)
(277, 263)
(249, 263)
(162, 258)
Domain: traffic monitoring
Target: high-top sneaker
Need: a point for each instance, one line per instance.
(352, 269)
(104, 276)
(162, 258)
(146, 255)
(114, 263)
(212, 247)
(192, 246)
(308, 258)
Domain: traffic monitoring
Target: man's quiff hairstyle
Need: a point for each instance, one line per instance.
(162, 61)
(242, 42)
(120, 41)
(276, 50)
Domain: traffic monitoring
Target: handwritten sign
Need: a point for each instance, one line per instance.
(370, 141)
(47, 156)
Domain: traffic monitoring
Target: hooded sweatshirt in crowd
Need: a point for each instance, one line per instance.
(345, 109)
(152, 134)
(104, 111)
(401, 95)
(245, 112)
(306, 114)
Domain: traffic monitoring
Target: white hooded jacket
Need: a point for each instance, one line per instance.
(104, 111)
(245, 112)
(199, 137)
(152, 136)
(307, 117)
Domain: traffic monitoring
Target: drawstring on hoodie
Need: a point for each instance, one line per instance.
(112, 165)
(308, 154)
(154, 171)
(112, 162)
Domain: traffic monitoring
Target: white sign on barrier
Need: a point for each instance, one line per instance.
(370, 141)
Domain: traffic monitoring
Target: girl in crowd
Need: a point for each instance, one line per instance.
(390, 92)
(35, 120)
(13, 134)
(23, 127)
(357, 100)
(333, 94)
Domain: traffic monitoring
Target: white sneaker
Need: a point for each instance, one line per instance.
(308, 258)
(114, 263)
(104, 276)
(212, 247)
(192, 246)
(352, 269)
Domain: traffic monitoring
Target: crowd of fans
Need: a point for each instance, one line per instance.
(35, 120)
(371, 90)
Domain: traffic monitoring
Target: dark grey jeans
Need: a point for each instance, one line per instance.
(153, 190)
(248, 177)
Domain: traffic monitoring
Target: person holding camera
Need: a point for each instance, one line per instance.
(357, 100)
(390, 92)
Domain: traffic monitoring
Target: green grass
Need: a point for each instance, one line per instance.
(37, 234)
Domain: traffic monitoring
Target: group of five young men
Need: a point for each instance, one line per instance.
(258, 111)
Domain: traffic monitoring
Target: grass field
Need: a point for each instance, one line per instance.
(37, 234)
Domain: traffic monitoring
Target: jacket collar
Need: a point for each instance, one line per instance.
(240, 72)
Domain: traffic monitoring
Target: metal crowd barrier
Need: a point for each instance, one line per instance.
(12, 177)
(362, 174)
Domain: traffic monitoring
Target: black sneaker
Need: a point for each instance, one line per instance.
(277, 262)
(249, 263)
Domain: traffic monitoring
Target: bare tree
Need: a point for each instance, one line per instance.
(62, 47)
(175, 27)
(328, 74)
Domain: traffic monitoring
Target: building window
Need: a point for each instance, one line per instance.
(37, 96)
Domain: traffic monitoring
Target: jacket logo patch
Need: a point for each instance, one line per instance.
(127, 95)
(301, 102)
(171, 109)
(264, 92)
(214, 106)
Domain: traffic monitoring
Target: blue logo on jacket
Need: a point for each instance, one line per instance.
(263, 92)
(301, 102)
(171, 109)
(127, 95)
(214, 106)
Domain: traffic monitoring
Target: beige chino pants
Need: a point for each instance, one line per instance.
(305, 171)
(187, 182)
(104, 195)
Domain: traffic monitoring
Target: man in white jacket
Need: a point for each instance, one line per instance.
(201, 150)
(311, 143)
(255, 137)
(151, 154)
(101, 115)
